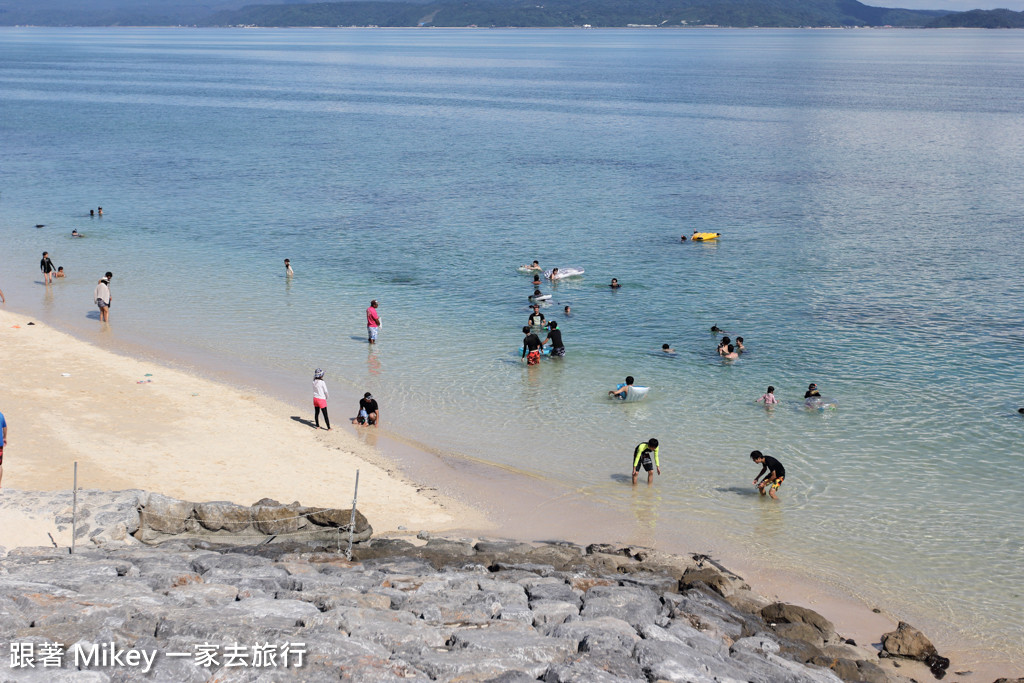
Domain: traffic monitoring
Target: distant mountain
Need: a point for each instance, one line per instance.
(596, 13)
(534, 13)
(980, 18)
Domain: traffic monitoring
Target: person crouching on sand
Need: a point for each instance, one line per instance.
(642, 458)
(320, 399)
(369, 411)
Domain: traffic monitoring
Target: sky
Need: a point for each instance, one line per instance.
(954, 5)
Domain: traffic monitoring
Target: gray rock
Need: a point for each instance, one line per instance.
(552, 612)
(635, 606)
(555, 591)
(278, 519)
(664, 660)
(602, 634)
(585, 670)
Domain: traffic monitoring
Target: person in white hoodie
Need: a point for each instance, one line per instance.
(320, 399)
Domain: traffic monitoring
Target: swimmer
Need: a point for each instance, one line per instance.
(536, 318)
(776, 473)
(621, 390)
(667, 349)
(567, 312)
(536, 280)
(60, 272)
(1019, 410)
(769, 398)
(740, 348)
(812, 391)
(533, 266)
(730, 353)
(75, 233)
(99, 210)
(683, 238)
(715, 329)
(288, 268)
(92, 213)
(723, 345)
(554, 273)
(615, 284)
(535, 294)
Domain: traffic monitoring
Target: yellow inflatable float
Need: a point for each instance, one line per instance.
(705, 236)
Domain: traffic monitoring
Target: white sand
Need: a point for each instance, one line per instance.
(180, 435)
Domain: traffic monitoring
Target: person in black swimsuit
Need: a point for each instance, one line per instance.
(46, 265)
(555, 337)
(776, 473)
(812, 391)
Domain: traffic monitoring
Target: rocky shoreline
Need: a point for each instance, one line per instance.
(279, 602)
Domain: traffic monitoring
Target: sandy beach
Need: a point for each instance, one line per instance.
(184, 436)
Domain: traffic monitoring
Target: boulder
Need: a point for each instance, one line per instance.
(782, 613)
(635, 606)
(337, 518)
(218, 515)
(281, 519)
(712, 578)
(907, 641)
(165, 515)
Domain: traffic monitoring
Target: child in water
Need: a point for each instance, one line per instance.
(60, 272)
(776, 473)
(730, 353)
(769, 398)
(740, 348)
(667, 349)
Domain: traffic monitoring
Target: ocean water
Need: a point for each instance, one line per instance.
(866, 185)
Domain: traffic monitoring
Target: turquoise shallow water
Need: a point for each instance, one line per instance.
(866, 184)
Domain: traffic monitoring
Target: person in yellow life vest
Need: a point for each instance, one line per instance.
(642, 456)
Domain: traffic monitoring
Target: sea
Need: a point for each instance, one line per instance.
(866, 185)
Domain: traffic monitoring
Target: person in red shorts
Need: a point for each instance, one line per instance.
(531, 346)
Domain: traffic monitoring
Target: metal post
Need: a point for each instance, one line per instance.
(352, 519)
(74, 509)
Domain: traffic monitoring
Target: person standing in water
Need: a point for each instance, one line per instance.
(320, 399)
(536, 318)
(555, 338)
(776, 473)
(47, 268)
(372, 322)
(103, 297)
(769, 398)
(642, 456)
(531, 346)
(288, 268)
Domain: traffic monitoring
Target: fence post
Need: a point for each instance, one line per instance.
(74, 508)
(352, 519)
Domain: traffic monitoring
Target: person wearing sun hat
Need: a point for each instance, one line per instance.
(320, 399)
(369, 412)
